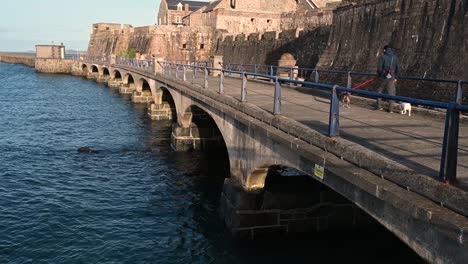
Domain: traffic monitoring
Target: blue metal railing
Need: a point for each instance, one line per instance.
(449, 157)
(448, 164)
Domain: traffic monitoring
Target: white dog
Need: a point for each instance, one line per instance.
(405, 108)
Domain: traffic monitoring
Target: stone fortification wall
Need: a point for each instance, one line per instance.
(18, 59)
(267, 48)
(63, 66)
(430, 37)
(170, 42)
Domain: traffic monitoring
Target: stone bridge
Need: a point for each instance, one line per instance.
(347, 185)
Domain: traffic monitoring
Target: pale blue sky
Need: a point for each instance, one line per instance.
(25, 23)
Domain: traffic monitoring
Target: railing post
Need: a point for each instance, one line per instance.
(350, 81)
(177, 72)
(334, 119)
(291, 73)
(255, 71)
(206, 79)
(277, 98)
(185, 73)
(459, 98)
(316, 76)
(244, 88)
(271, 70)
(169, 70)
(194, 72)
(449, 159)
(221, 82)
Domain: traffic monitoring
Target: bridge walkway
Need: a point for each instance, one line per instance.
(415, 141)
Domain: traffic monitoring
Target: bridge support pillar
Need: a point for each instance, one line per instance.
(91, 76)
(161, 111)
(126, 89)
(114, 83)
(281, 212)
(143, 97)
(102, 79)
(194, 138)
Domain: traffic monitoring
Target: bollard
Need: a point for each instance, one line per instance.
(334, 119)
(277, 98)
(221, 82)
(244, 88)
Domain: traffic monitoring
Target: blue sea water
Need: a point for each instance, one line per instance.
(134, 200)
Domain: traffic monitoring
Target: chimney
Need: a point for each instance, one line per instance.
(186, 7)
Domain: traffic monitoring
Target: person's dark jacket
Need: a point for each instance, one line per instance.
(388, 62)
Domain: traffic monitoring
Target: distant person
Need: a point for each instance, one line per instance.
(387, 71)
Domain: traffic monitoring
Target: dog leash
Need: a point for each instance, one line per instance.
(364, 83)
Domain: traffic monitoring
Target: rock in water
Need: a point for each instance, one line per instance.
(85, 150)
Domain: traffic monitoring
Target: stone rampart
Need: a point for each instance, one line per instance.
(429, 36)
(54, 65)
(18, 59)
(267, 48)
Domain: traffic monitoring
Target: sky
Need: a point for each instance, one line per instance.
(26, 23)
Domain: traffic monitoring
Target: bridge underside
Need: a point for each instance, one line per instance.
(326, 192)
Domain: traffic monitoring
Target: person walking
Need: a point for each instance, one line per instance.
(387, 72)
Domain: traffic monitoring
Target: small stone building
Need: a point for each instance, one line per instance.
(50, 52)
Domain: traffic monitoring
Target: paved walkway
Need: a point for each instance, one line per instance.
(414, 141)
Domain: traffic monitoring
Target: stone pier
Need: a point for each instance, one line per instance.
(143, 97)
(160, 111)
(126, 89)
(114, 83)
(288, 209)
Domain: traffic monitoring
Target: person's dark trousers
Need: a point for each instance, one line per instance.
(389, 86)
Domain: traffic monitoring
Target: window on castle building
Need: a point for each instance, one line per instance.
(184, 46)
(202, 46)
(269, 21)
(177, 19)
(107, 28)
(252, 20)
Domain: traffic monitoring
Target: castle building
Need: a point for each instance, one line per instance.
(171, 12)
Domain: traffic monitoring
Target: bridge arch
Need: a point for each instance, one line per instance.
(116, 75)
(129, 80)
(144, 86)
(95, 70)
(84, 69)
(105, 72)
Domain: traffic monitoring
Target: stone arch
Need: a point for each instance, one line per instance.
(164, 106)
(144, 86)
(84, 69)
(95, 70)
(116, 75)
(105, 72)
(129, 80)
(200, 132)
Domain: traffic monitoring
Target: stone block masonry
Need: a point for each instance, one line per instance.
(430, 37)
(18, 59)
(63, 66)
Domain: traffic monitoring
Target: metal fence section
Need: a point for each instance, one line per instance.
(448, 162)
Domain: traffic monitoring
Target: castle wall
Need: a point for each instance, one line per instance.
(170, 42)
(429, 35)
(268, 47)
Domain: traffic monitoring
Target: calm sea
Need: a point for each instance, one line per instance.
(135, 200)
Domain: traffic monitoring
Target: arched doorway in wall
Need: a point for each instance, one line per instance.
(84, 70)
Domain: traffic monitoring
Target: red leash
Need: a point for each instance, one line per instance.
(364, 83)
